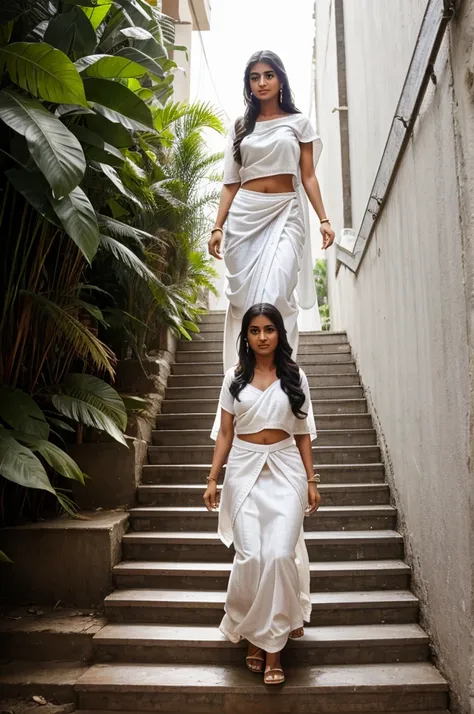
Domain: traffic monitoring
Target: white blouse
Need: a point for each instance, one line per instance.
(256, 410)
(272, 148)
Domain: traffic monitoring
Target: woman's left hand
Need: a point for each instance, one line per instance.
(314, 499)
(327, 234)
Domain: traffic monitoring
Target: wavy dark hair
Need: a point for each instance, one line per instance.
(246, 124)
(286, 369)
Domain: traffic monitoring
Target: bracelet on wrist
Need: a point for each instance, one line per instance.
(325, 220)
(314, 479)
(215, 229)
(211, 478)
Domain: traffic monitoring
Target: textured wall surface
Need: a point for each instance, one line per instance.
(408, 311)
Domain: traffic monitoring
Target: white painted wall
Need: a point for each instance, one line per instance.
(406, 312)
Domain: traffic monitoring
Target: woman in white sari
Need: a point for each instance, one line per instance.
(265, 427)
(269, 170)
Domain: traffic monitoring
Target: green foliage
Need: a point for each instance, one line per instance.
(106, 189)
(321, 280)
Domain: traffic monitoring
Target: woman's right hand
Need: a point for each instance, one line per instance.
(214, 245)
(210, 496)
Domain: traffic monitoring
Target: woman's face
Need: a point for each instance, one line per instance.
(262, 336)
(264, 81)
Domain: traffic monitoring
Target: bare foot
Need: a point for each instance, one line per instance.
(273, 671)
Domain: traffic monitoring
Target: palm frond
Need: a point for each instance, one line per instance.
(128, 258)
(86, 345)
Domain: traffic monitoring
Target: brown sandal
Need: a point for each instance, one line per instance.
(255, 661)
(296, 634)
(271, 673)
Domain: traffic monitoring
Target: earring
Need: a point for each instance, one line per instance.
(281, 94)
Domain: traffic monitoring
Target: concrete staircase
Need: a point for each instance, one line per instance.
(162, 651)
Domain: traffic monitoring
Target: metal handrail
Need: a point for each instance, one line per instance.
(435, 21)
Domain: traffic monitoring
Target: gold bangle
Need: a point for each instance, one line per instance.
(316, 479)
(213, 230)
(211, 478)
(325, 220)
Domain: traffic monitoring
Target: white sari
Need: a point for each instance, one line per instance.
(261, 511)
(267, 248)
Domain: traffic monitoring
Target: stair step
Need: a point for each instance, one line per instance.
(174, 494)
(317, 393)
(210, 367)
(209, 406)
(192, 644)
(192, 420)
(52, 680)
(215, 357)
(305, 347)
(172, 518)
(206, 546)
(202, 454)
(206, 607)
(325, 689)
(196, 473)
(326, 437)
(213, 316)
(215, 380)
(335, 576)
(62, 635)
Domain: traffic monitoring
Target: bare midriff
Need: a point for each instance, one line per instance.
(283, 183)
(266, 436)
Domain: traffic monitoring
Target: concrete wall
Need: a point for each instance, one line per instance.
(408, 311)
(188, 18)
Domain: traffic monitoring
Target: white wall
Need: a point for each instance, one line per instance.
(406, 312)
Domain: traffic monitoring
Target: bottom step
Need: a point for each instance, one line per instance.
(52, 680)
(216, 689)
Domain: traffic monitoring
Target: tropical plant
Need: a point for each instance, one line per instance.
(78, 82)
(321, 280)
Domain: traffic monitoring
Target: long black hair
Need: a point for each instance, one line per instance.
(286, 369)
(246, 124)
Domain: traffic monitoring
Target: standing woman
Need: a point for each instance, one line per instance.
(269, 165)
(265, 434)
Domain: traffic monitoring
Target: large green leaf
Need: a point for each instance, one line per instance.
(91, 401)
(89, 3)
(43, 71)
(96, 148)
(96, 15)
(137, 33)
(55, 150)
(72, 33)
(33, 187)
(129, 258)
(109, 67)
(79, 220)
(20, 465)
(58, 459)
(118, 118)
(139, 57)
(21, 412)
(139, 12)
(113, 133)
(118, 98)
(113, 176)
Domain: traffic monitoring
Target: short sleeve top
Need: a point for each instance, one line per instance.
(256, 410)
(272, 148)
